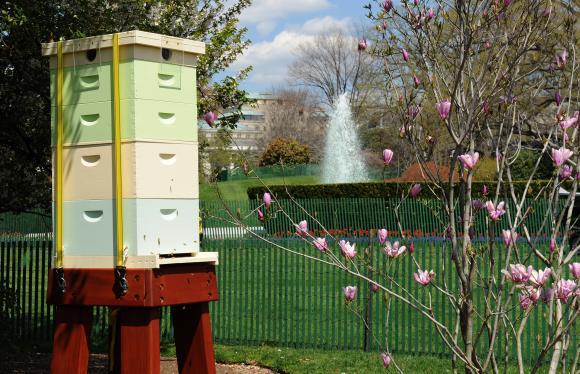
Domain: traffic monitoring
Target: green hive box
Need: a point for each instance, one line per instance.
(157, 84)
(158, 120)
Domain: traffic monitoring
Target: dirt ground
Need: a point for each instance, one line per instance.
(38, 363)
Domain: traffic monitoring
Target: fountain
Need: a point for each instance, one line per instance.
(342, 161)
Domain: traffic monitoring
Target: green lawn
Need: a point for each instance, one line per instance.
(236, 190)
(290, 360)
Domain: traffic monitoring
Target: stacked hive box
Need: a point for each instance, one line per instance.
(157, 97)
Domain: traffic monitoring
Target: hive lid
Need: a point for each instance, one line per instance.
(134, 37)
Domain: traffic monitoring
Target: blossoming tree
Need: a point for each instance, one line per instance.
(500, 75)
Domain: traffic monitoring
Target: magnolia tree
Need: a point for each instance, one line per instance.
(501, 76)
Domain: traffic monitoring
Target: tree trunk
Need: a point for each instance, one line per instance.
(558, 346)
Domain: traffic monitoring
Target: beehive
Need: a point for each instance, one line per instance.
(140, 86)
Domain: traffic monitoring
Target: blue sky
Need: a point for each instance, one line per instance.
(277, 27)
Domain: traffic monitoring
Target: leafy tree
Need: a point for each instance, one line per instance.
(215, 153)
(524, 164)
(295, 115)
(24, 80)
(286, 152)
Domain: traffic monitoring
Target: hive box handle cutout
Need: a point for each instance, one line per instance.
(166, 80)
(168, 158)
(89, 119)
(93, 215)
(167, 118)
(89, 82)
(168, 214)
(90, 160)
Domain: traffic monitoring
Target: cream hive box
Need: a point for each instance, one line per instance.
(125, 151)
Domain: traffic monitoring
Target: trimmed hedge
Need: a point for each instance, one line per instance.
(379, 190)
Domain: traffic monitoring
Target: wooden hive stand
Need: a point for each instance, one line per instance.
(187, 288)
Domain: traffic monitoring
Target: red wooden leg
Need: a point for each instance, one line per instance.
(193, 340)
(138, 340)
(70, 351)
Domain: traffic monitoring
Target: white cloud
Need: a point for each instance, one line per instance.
(266, 27)
(271, 58)
(320, 25)
(266, 10)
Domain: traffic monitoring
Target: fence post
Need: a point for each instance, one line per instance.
(368, 253)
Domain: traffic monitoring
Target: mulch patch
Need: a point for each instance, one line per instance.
(38, 363)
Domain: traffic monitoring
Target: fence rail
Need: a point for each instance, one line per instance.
(297, 170)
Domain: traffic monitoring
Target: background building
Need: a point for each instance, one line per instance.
(250, 129)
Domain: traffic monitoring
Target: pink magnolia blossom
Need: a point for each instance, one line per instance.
(362, 44)
(525, 301)
(558, 98)
(385, 25)
(552, 244)
(424, 277)
(430, 13)
(540, 277)
(561, 59)
(386, 359)
(321, 244)
(347, 249)
(402, 132)
(349, 293)
(495, 212)
(564, 56)
(507, 2)
(519, 273)
(565, 289)
(485, 106)
(485, 190)
(570, 121)
(387, 5)
(565, 172)
(416, 81)
(529, 297)
(405, 54)
(302, 228)
(477, 204)
(468, 161)
(375, 287)
(267, 199)
(509, 237)
(395, 250)
(210, 118)
(560, 156)
(382, 234)
(443, 109)
(547, 295)
(415, 190)
(387, 156)
(575, 269)
(414, 111)
(260, 215)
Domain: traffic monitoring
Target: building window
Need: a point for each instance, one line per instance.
(254, 117)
